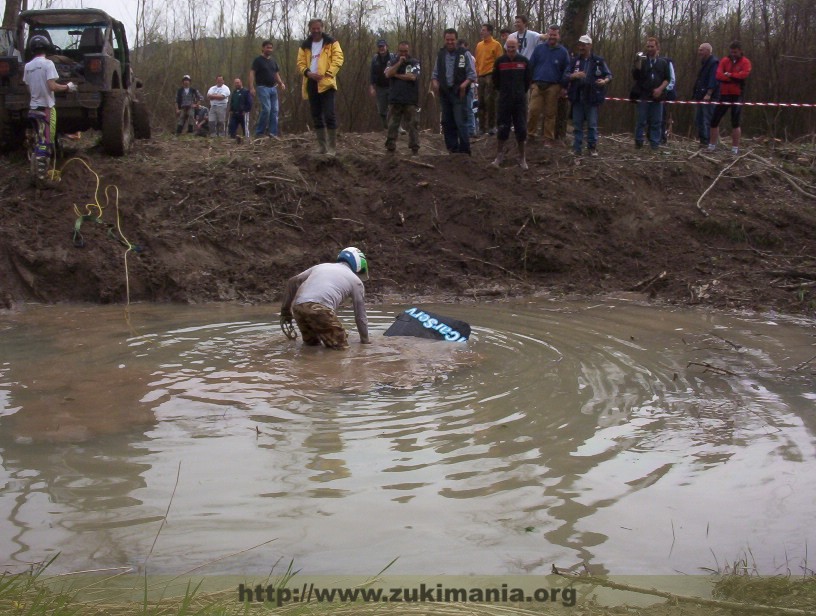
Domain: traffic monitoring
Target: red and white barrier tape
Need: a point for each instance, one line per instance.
(744, 104)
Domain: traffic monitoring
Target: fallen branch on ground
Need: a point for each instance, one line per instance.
(648, 282)
(707, 190)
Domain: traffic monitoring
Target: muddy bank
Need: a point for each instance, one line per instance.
(214, 220)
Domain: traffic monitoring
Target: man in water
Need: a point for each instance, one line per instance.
(313, 297)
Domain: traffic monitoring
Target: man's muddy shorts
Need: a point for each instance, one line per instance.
(318, 323)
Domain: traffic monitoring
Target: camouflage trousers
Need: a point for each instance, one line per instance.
(318, 323)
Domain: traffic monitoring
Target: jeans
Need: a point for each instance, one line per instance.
(702, 119)
(584, 112)
(470, 116)
(649, 112)
(268, 120)
(455, 122)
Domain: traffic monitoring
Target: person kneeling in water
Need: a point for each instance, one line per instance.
(313, 297)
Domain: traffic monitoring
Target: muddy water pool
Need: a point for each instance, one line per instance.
(636, 438)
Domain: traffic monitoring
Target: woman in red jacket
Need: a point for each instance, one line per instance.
(732, 72)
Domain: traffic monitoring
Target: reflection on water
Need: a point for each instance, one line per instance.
(640, 440)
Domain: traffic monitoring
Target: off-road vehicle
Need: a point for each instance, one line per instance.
(90, 48)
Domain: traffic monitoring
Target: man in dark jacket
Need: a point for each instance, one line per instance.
(706, 90)
(379, 83)
(588, 75)
(403, 98)
(512, 77)
(240, 104)
(652, 75)
(451, 78)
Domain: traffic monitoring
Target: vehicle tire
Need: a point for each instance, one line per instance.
(117, 123)
(141, 120)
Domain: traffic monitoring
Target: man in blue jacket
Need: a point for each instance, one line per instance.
(706, 90)
(588, 75)
(548, 63)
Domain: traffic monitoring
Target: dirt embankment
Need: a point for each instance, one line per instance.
(215, 220)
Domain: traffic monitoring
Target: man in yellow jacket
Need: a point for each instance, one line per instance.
(319, 60)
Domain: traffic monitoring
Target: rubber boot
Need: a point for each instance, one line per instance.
(499, 154)
(331, 143)
(522, 157)
(320, 133)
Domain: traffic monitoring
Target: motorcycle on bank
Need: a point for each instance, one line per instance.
(43, 145)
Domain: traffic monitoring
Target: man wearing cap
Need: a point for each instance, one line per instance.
(313, 297)
(548, 63)
(587, 76)
(186, 99)
(379, 83)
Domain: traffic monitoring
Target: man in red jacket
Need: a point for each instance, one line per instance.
(732, 72)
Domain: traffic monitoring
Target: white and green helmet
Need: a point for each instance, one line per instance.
(355, 259)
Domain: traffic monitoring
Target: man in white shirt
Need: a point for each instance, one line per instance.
(218, 95)
(40, 75)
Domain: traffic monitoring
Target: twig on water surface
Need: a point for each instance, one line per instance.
(708, 366)
(804, 363)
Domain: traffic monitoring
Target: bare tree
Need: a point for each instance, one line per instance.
(13, 8)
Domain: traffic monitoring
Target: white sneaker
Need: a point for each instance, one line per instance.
(735, 150)
(712, 147)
